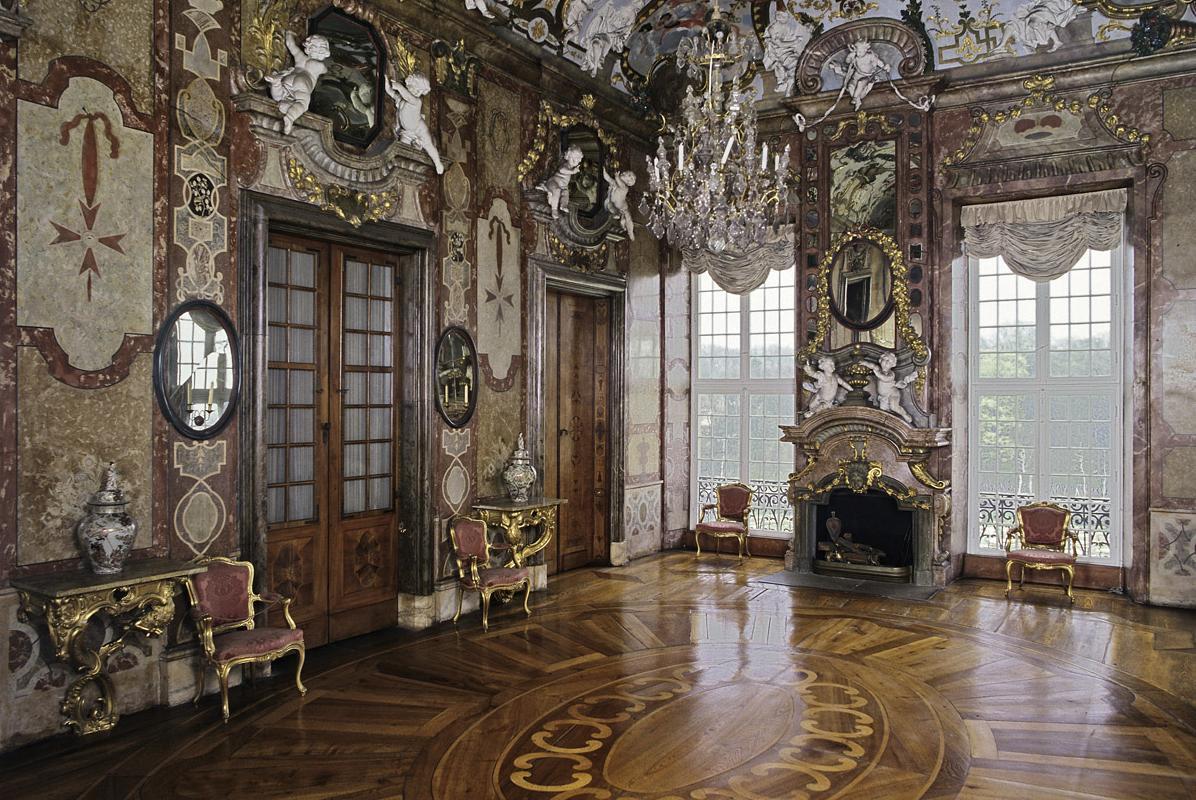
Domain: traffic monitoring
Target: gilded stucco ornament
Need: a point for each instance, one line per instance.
(549, 121)
(353, 206)
(455, 68)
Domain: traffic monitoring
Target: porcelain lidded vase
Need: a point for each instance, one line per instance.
(106, 534)
(519, 474)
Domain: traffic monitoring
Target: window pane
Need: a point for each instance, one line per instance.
(718, 331)
(770, 461)
(717, 435)
(1007, 425)
(1007, 320)
(772, 334)
(1081, 303)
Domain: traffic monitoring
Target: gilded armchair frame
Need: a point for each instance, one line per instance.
(208, 631)
(467, 571)
(740, 538)
(1069, 543)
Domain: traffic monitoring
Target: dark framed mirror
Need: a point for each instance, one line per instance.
(197, 369)
(587, 189)
(861, 285)
(456, 376)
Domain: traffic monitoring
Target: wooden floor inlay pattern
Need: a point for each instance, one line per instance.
(684, 680)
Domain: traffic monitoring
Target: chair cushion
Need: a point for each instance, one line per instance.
(469, 537)
(1042, 524)
(222, 592)
(722, 526)
(733, 499)
(257, 642)
(1042, 557)
(499, 576)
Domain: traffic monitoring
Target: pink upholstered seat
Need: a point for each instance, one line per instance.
(222, 592)
(503, 576)
(721, 526)
(471, 548)
(1042, 557)
(256, 642)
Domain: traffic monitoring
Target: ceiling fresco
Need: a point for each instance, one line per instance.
(632, 42)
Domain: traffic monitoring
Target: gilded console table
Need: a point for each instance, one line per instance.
(513, 517)
(141, 598)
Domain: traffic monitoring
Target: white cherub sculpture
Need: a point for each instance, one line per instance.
(480, 7)
(1037, 24)
(557, 187)
(292, 87)
(785, 39)
(861, 69)
(607, 31)
(410, 127)
(618, 186)
(824, 386)
(889, 386)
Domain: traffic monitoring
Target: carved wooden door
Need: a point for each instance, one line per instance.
(330, 433)
(577, 342)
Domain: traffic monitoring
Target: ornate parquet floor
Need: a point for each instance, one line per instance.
(679, 679)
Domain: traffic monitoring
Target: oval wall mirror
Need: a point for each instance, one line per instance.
(197, 369)
(861, 285)
(456, 376)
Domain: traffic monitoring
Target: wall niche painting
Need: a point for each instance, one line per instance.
(864, 186)
(350, 93)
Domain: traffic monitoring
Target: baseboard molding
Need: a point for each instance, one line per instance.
(1088, 576)
(761, 546)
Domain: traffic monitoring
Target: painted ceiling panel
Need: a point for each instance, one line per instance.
(631, 42)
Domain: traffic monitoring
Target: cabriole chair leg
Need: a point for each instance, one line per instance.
(222, 673)
(299, 673)
(460, 597)
(1008, 578)
(527, 593)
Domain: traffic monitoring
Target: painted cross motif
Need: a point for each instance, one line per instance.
(1181, 559)
(500, 295)
(88, 206)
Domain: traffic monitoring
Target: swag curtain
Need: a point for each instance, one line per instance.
(740, 273)
(1043, 238)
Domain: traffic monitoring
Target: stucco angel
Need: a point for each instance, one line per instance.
(292, 87)
(1037, 24)
(824, 385)
(557, 186)
(480, 7)
(606, 31)
(889, 386)
(618, 186)
(862, 68)
(410, 127)
(785, 39)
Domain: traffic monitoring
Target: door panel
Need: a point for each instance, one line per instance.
(331, 434)
(576, 399)
(552, 421)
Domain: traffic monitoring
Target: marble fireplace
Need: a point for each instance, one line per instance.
(856, 459)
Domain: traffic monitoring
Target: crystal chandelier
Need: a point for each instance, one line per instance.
(722, 192)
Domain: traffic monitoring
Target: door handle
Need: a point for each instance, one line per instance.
(563, 432)
(324, 429)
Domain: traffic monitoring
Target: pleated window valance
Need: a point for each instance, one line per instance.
(1043, 238)
(740, 273)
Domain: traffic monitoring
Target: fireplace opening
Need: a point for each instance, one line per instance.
(864, 536)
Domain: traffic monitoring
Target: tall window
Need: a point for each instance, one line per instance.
(1046, 399)
(743, 389)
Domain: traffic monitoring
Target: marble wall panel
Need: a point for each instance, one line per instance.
(500, 295)
(499, 135)
(119, 34)
(676, 403)
(1179, 239)
(500, 421)
(85, 223)
(643, 379)
(1173, 558)
(66, 436)
(1179, 467)
(1179, 112)
(1177, 361)
(642, 520)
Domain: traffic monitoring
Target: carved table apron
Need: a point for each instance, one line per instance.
(141, 598)
(512, 518)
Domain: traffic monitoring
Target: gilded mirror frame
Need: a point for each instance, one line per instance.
(183, 426)
(898, 301)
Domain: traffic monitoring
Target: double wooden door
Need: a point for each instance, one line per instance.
(331, 435)
(576, 389)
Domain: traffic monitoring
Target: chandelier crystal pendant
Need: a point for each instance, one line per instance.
(711, 184)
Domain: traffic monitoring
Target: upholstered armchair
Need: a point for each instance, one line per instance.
(222, 605)
(1043, 540)
(471, 548)
(732, 509)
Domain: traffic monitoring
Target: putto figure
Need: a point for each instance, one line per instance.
(824, 386)
(410, 127)
(889, 386)
(292, 87)
(1037, 24)
(785, 39)
(557, 187)
(607, 31)
(862, 68)
(618, 186)
(480, 7)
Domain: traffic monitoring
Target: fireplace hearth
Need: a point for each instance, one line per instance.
(863, 536)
